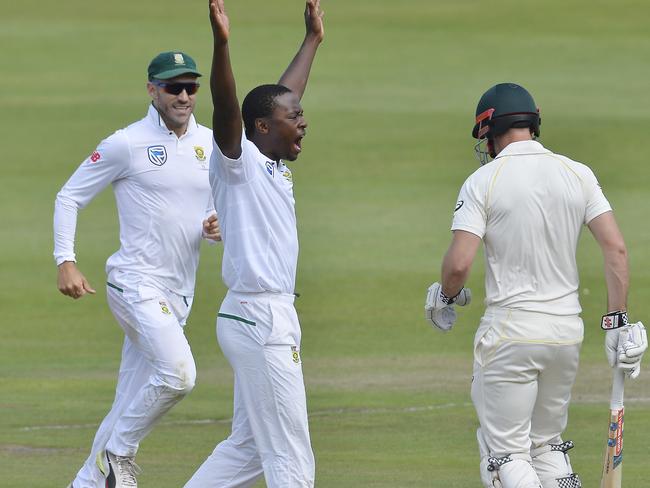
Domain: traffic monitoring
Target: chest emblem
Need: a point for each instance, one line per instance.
(287, 175)
(269, 168)
(199, 152)
(157, 155)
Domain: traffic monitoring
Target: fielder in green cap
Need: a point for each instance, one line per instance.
(158, 169)
(170, 64)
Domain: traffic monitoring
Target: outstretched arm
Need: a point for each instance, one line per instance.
(226, 115)
(296, 75)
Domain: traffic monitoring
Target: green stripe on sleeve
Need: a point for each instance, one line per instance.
(235, 317)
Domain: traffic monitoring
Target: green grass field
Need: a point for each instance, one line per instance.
(390, 107)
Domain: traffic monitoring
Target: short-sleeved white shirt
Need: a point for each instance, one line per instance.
(529, 205)
(254, 197)
(161, 188)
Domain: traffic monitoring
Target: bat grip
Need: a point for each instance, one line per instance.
(618, 389)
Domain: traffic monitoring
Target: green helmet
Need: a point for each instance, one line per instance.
(502, 107)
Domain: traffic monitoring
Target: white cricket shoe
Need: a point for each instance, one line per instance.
(121, 471)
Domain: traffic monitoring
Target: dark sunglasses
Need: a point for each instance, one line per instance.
(177, 88)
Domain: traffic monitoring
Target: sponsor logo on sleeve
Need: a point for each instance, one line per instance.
(458, 205)
(95, 156)
(157, 155)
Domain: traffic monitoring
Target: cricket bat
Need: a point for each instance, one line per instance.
(613, 461)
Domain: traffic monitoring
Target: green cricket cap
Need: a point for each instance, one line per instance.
(171, 63)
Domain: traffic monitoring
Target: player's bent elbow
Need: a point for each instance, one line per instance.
(617, 251)
(456, 271)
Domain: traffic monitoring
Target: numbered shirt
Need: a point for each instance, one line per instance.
(257, 217)
(162, 192)
(529, 205)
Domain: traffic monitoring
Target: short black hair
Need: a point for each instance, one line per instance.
(260, 102)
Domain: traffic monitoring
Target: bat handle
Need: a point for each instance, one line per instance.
(618, 389)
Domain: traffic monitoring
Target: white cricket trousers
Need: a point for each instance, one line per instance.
(259, 334)
(525, 364)
(157, 368)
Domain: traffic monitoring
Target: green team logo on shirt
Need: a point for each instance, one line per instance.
(199, 152)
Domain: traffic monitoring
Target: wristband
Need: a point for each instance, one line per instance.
(448, 300)
(614, 320)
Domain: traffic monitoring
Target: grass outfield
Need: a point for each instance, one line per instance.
(390, 106)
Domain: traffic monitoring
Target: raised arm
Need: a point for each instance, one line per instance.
(226, 115)
(296, 75)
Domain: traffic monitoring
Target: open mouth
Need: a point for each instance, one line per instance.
(297, 144)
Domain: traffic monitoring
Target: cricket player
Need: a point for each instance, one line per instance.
(528, 207)
(158, 168)
(257, 325)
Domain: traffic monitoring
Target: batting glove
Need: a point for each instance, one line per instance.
(625, 347)
(632, 346)
(438, 307)
(613, 323)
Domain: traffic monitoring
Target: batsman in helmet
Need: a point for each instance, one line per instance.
(527, 205)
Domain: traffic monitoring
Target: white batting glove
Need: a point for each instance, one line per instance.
(625, 346)
(633, 343)
(438, 307)
(613, 323)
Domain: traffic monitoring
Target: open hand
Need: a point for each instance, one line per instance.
(314, 20)
(219, 21)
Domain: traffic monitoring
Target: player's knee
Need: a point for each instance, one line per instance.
(181, 378)
(553, 466)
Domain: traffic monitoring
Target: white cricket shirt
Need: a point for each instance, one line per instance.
(162, 192)
(528, 205)
(257, 217)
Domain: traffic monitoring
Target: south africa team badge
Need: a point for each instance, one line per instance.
(199, 152)
(164, 308)
(157, 155)
(295, 354)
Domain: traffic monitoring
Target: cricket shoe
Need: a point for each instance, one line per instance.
(120, 471)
